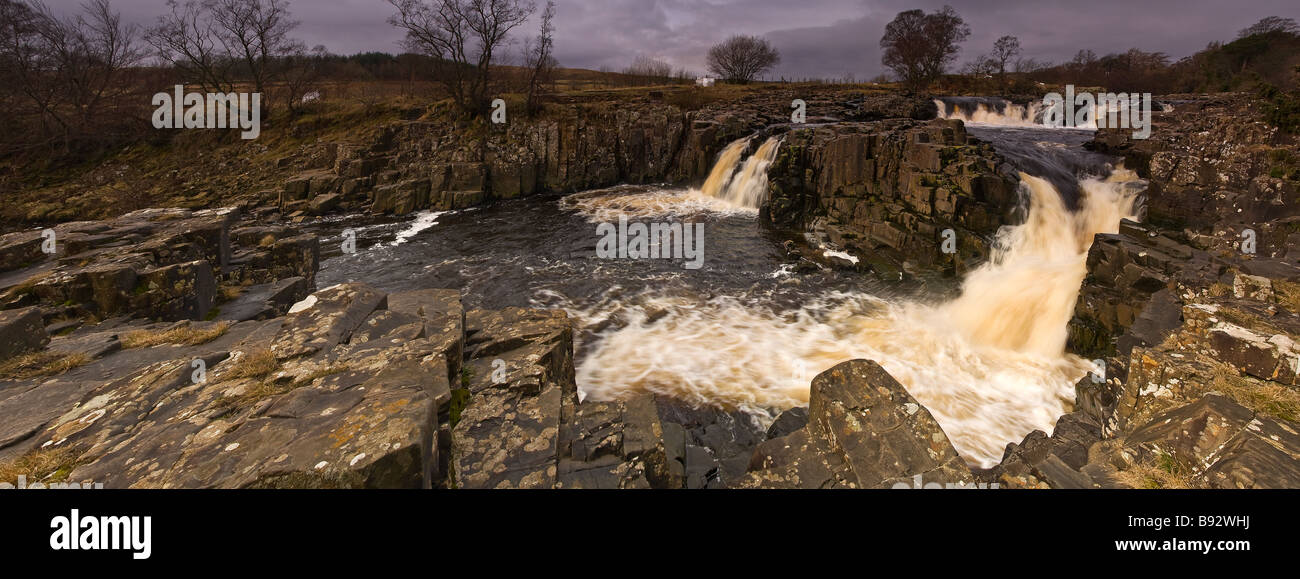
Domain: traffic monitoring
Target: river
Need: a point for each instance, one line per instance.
(745, 331)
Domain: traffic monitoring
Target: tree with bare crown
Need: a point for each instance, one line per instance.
(463, 37)
(216, 44)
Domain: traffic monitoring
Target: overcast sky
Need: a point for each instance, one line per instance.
(817, 38)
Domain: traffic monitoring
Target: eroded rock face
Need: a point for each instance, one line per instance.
(864, 431)
(888, 190)
(581, 143)
(1209, 164)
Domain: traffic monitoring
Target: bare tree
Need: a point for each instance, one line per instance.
(1083, 61)
(648, 70)
(1004, 50)
(254, 32)
(541, 65)
(23, 59)
(918, 47)
(66, 69)
(301, 71)
(741, 59)
(463, 36)
(186, 38)
(1029, 65)
(981, 67)
(217, 44)
(104, 50)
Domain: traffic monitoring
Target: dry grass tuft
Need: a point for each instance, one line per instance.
(1262, 396)
(253, 364)
(1164, 472)
(43, 363)
(43, 465)
(185, 335)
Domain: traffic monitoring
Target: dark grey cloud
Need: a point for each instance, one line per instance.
(817, 38)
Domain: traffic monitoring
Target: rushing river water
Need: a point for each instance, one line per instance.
(744, 331)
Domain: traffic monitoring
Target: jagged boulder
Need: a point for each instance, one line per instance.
(185, 291)
(864, 431)
(20, 250)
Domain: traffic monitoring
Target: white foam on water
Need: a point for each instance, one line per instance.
(639, 203)
(423, 220)
(737, 185)
(990, 365)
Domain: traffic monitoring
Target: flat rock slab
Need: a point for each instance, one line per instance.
(326, 319)
(520, 377)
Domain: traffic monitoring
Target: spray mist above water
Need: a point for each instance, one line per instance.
(990, 365)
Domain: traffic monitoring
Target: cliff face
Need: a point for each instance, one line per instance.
(443, 164)
(890, 189)
(438, 165)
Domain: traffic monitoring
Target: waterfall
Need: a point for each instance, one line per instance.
(742, 185)
(990, 364)
(1003, 113)
(990, 111)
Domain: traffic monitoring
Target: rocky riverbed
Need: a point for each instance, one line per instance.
(193, 348)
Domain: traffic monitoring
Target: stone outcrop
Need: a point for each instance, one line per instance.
(366, 405)
(578, 144)
(1197, 331)
(888, 190)
(864, 431)
(1222, 444)
(1215, 168)
(166, 264)
(21, 331)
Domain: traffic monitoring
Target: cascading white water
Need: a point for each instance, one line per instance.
(991, 364)
(1010, 115)
(747, 187)
(736, 185)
